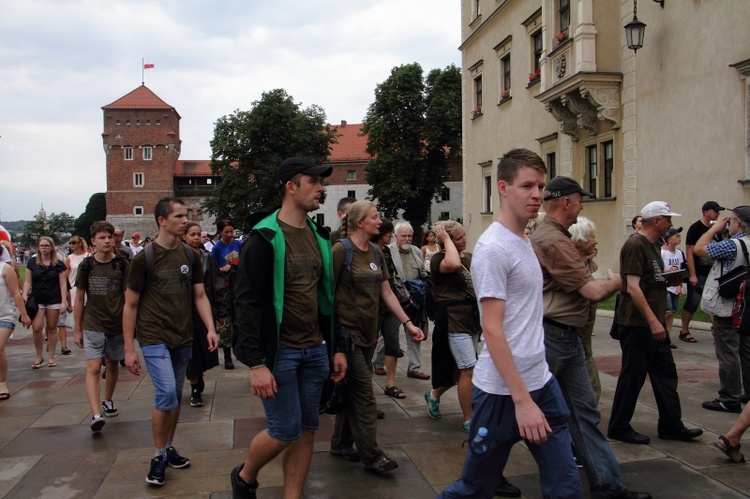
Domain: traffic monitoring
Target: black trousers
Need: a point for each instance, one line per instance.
(641, 356)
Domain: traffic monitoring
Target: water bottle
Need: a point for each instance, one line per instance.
(479, 444)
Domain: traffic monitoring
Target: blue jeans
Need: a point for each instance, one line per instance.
(300, 374)
(167, 368)
(567, 361)
(497, 413)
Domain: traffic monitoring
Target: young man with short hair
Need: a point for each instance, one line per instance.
(286, 335)
(159, 301)
(98, 318)
(515, 395)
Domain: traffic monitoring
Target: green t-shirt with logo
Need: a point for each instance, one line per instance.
(166, 300)
(104, 288)
(302, 270)
(359, 290)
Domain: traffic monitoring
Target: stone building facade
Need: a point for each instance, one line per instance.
(670, 122)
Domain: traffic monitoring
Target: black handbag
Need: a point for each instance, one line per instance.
(31, 307)
(729, 283)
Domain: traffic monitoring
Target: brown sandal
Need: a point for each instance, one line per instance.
(687, 338)
(395, 392)
(731, 451)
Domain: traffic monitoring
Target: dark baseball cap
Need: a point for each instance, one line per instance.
(563, 186)
(672, 231)
(743, 213)
(712, 205)
(292, 166)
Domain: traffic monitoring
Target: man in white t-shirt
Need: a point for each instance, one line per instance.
(515, 395)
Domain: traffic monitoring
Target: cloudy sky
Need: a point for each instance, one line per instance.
(62, 60)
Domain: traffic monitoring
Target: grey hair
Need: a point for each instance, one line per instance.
(581, 230)
(403, 225)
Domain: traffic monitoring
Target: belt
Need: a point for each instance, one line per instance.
(558, 325)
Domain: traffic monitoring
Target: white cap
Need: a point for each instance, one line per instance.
(658, 209)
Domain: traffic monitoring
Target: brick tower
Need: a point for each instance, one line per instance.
(141, 140)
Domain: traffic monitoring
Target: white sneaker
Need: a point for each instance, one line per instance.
(97, 423)
(109, 408)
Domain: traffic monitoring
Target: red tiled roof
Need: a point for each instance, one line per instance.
(140, 98)
(201, 167)
(351, 144)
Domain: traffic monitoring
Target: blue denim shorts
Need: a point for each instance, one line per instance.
(300, 374)
(673, 302)
(464, 349)
(7, 325)
(167, 368)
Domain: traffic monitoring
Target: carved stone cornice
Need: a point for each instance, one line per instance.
(583, 109)
(582, 100)
(562, 114)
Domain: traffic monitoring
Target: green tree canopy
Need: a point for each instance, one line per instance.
(413, 128)
(96, 210)
(248, 147)
(57, 226)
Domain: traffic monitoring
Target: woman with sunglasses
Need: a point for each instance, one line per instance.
(45, 279)
(78, 252)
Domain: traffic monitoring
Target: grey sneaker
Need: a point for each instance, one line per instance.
(433, 406)
(109, 408)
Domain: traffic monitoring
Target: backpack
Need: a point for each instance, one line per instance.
(350, 254)
(118, 263)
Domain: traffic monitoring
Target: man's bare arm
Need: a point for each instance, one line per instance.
(532, 424)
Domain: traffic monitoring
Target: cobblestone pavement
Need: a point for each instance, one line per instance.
(48, 450)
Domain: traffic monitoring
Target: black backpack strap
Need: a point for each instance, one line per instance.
(744, 251)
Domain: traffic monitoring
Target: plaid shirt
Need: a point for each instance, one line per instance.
(724, 250)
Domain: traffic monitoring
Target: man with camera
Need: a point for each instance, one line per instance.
(732, 350)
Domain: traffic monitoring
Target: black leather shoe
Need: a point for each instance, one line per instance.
(630, 494)
(349, 454)
(381, 464)
(629, 437)
(683, 433)
(507, 489)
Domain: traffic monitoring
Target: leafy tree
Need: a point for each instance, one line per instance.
(413, 128)
(96, 209)
(248, 147)
(56, 226)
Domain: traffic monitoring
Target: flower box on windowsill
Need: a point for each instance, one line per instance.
(504, 99)
(561, 36)
(534, 77)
